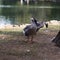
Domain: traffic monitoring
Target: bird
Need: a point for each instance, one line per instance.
(31, 30)
(46, 24)
(41, 25)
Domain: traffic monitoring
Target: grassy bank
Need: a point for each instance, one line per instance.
(18, 30)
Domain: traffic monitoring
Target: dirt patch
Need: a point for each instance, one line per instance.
(14, 47)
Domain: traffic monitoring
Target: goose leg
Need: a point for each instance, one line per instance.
(27, 38)
(31, 39)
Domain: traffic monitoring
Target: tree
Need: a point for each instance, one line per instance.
(21, 2)
(27, 2)
(56, 40)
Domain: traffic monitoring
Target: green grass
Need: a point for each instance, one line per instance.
(18, 31)
(52, 27)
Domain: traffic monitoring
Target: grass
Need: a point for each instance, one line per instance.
(50, 28)
(54, 27)
(18, 30)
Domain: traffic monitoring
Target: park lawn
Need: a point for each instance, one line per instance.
(14, 47)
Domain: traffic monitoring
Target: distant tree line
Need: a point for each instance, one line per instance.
(7, 2)
(37, 1)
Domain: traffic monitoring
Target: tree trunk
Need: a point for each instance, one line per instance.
(27, 2)
(56, 40)
(21, 2)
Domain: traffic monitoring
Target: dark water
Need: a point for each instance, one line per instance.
(13, 14)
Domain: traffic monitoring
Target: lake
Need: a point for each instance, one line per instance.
(13, 14)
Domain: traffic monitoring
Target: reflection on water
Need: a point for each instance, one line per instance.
(4, 21)
(7, 6)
